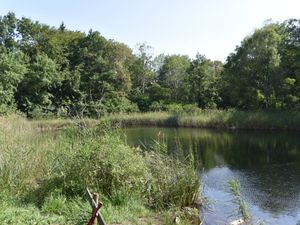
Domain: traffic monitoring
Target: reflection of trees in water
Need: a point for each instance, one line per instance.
(267, 163)
(245, 149)
(274, 188)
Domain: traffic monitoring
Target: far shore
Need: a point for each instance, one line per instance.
(214, 119)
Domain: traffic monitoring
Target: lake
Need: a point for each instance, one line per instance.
(267, 165)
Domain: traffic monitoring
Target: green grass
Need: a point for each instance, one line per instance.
(43, 175)
(225, 119)
(235, 189)
(62, 123)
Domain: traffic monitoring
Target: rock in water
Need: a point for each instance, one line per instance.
(237, 222)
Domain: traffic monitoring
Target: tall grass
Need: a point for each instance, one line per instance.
(228, 119)
(235, 188)
(49, 172)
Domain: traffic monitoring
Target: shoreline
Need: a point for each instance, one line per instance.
(213, 119)
(206, 119)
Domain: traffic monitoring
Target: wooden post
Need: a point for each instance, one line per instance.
(93, 199)
(96, 200)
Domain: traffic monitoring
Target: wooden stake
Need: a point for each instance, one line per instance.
(96, 200)
(93, 199)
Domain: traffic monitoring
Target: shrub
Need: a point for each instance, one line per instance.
(175, 108)
(106, 164)
(157, 106)
(192, 109)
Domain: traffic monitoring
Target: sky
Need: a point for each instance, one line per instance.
(211, 27)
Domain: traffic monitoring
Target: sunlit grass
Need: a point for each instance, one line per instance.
(225, 119)
(44, 174)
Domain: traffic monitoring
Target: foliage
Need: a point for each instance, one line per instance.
(53, 71)
(173, 75)
(41, 78)
(203, 78)
(252, 74)
(12, 71)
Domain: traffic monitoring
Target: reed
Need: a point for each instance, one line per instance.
(222, 119)
(235, 189)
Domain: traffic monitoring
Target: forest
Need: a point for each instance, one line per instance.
(50, 71)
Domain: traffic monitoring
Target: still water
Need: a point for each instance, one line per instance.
(267, 165)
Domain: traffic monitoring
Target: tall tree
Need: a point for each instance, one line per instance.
(173, 74)
(252, 72)
(204, 76)
(8, 33)
(290, 64)
(12, 70)
(34, 92)
(143, 73)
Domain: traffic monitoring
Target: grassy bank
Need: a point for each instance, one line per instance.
(230, 119)
(43, 177)
(56, 124)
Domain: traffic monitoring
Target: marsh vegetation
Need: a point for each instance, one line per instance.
(44, 176)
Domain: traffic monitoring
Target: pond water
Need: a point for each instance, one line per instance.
(267, 165)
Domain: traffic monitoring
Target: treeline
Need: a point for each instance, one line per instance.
(47, 71)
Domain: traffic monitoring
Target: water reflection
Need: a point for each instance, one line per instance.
(266, 163)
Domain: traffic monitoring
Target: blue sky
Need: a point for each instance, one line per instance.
(210, 27)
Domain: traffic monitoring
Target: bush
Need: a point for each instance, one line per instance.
(175, 108)
(121, 173)
(158, 106)
(118, 105)
(106, 164)
(192, 109)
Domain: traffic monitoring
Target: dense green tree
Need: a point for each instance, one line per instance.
(12, 70)
(203, 80)
(48, 70)
(8, 34)
(173, 75)
(252, 73)
(34, 93)
(290, 64)
(105, 72)
(143, 76)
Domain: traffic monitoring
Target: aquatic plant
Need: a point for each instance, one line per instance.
(235, 189)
